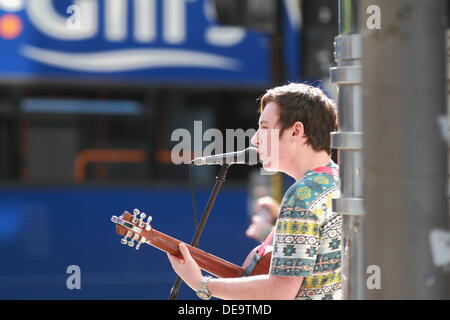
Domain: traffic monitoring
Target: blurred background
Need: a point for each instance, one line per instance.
(90, 93)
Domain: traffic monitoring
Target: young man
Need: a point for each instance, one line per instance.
(306, 257)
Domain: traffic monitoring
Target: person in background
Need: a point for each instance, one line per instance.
(264, 219)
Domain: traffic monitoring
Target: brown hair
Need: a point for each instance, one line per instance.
(310, 106)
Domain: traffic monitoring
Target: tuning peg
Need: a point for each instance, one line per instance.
(147, 225)
(124, 240)
(131, 243)
(141, 241)
(141, 220)
(135, 215)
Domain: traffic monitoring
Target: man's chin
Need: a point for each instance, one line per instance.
(267, 165)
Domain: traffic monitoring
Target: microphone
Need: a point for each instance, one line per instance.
(248, 156)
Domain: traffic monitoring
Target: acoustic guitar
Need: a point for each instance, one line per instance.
(133, 227)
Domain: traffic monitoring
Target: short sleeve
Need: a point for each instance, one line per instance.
(297, 235)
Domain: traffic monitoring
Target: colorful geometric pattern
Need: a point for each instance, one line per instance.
(308, 237)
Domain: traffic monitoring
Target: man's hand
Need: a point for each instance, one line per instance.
(186, 268)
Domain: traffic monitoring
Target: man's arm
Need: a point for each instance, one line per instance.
(262, 287)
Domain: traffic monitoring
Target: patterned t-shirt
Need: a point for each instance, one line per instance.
(308, 236)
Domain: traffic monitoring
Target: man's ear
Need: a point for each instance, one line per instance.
(298, 130)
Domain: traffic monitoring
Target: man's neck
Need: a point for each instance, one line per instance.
(311, 161)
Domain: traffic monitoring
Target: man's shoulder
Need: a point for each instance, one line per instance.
(312, 186)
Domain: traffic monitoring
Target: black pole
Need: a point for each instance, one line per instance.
(278, 69)
(220, 179)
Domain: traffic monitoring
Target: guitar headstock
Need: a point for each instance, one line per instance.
(132, 227)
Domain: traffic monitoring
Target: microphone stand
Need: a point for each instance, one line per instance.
(220, 179)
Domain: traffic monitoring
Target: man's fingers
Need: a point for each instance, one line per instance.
(174, 259)
(184, 251)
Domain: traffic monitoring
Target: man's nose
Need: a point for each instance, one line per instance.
(254, 140)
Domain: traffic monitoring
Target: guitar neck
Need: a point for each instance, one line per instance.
(208, 262)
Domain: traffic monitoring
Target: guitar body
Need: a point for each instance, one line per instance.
(263, 264)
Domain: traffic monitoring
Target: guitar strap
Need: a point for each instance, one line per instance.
(262, 248)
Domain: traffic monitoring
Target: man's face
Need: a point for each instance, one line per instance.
(267, 138)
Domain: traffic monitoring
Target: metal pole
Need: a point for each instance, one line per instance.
(405, 154)
(348, 142)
